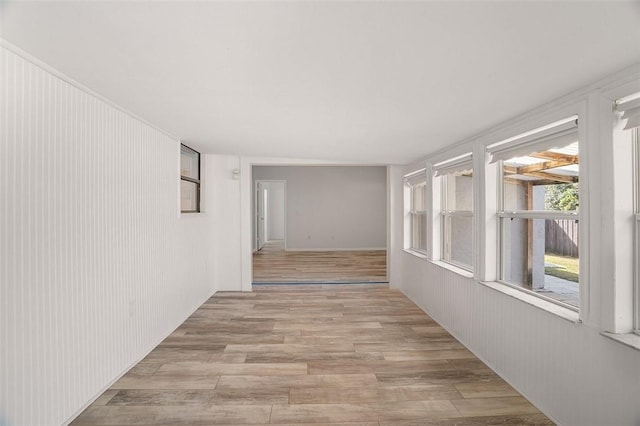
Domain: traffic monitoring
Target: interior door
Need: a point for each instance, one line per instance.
(260, 216)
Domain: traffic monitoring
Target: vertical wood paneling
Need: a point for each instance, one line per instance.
(567, 370)
(96, 264)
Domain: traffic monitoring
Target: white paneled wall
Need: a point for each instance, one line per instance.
(96, 263)
(569, 371)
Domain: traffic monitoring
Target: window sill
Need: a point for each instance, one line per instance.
(415, 253)
(192, 214)
(631, 340)
(560, 311)
(460, 271)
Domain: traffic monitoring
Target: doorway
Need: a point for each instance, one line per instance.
(270, 214)
(319, 224)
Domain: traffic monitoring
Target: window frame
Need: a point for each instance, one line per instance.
(636, 225)
(504, 214)
(418, 215)
(447, 214)
(197, 181)
(412, 182)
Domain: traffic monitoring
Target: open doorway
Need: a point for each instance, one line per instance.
(270, 214)
(320, 224)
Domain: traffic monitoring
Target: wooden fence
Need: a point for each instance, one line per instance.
(561, 237)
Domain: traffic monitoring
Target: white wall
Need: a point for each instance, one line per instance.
(224, 208)
(96, 264)
(567, 368)
(333, 207)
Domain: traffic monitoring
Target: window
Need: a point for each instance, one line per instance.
(189, 180)
(416, 190)
(538, 209)
(456, 215)
(630, 108)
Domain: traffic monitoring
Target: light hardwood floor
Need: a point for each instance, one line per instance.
(311, 354)
(273, 264)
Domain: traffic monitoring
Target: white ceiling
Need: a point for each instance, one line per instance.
(384, 82)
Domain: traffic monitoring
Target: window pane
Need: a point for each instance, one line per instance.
(542, 255)
(459, 190)
(189, 163)
(418, 232)
(458, 236)
(188, 196)
(544, 180)
(418, 193)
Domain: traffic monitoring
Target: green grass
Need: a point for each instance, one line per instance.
(567, 268)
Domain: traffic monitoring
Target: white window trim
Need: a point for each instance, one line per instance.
(636, 223)
(533, 299)
(528, 139)
(622, 323)
(636, 277)
(614, 293)
(554, 134)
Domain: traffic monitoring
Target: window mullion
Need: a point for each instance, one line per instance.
(190, 179)
(540, 214)
(460, 213)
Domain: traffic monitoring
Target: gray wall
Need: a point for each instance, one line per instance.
(332, 207)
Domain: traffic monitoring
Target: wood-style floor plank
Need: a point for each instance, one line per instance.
(360, 354)
(273, 264)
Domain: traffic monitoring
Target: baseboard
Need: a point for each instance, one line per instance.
(338, 249)
(315, 282)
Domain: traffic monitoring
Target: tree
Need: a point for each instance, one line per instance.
(563, 197)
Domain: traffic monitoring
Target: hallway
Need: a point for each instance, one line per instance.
(310, 354)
